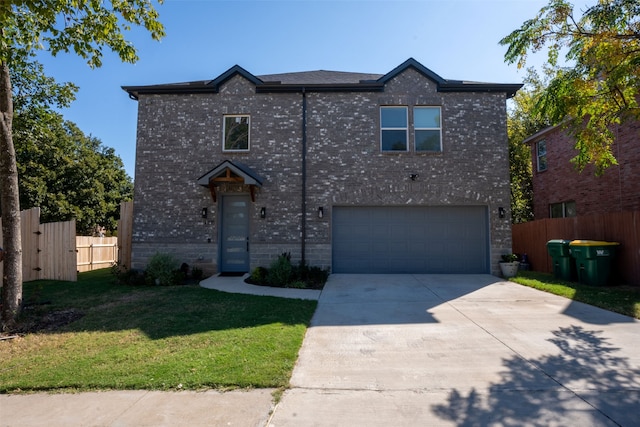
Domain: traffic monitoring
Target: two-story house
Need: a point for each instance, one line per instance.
(559, 190)
(405, 172)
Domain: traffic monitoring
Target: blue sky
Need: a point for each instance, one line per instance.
(457, 39)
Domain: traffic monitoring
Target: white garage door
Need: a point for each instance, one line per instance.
(416, 239)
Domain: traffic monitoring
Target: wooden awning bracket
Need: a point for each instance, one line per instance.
(228, 172)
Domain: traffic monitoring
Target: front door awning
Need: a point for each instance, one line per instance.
(229, 172)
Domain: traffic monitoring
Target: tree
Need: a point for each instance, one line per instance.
(522, 122)
(84, 26)
(68, 174)
(600, 87)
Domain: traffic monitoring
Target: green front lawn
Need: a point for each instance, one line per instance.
(179, 337)
(620, 299)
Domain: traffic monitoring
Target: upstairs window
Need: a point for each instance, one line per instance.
(235, 132)
(562, 210)
(541, 149)
(394, 128)
(427, 129)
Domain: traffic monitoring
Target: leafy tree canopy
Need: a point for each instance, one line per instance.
(601, 86)
(522, 122)
(83, 27)
(64, 172)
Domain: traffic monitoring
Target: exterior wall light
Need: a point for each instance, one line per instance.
(501, 212)
(320, 212)
(263, 212)
(413, 176)
(204, 213)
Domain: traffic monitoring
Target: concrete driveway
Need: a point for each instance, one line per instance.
(460, 350)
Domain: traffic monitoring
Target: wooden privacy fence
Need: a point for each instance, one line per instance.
(53, 251)
(94, 253)
(622, 227)
(48, 250)
(125, 229)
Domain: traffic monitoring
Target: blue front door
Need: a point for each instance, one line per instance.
(234, 230)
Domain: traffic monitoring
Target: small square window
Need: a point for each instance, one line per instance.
(541, 150)
(393, 128)
(426, 124)
(236, 133)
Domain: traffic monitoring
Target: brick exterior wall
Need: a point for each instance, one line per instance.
(618, 189)
(180, 139)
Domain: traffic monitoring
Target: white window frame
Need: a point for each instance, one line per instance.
(416, 128)
(406, 128)
(540, 155)
(224, 132)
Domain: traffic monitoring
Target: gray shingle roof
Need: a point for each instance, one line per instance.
(319, 77)
(322, 80)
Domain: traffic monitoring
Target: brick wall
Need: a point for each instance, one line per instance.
(617, 189)
(179, 140)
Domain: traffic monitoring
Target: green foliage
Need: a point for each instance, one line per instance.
(67, 174)
(84, 27)
(163, 269)
(313, 276)
(522, 122)
(126, 276)
(279, 273)
(197, 273)
(599, 88)
(509, 258)
(282, 273)
(259, 275)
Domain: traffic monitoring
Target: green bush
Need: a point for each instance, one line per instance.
(280, 270)
(259, 275)
(161, 270)
(196, 273)
(126, 276)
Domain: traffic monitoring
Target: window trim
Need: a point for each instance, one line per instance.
(406, 128)
(224, 133)
(541, 155)
(416, 128)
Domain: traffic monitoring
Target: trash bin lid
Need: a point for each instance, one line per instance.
(592, 243)
(558, 242)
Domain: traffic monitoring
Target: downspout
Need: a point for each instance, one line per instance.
(303, 222)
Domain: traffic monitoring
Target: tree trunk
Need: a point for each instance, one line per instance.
(10, 205)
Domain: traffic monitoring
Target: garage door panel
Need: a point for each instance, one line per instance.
(410, 239)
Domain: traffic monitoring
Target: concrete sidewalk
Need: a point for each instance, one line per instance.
(461, 351)
(407, 350)
(137, 408)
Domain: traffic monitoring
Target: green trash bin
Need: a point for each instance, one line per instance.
(593, 260)
(564, 266)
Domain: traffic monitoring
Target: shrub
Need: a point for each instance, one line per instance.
(162, 269)
(280, 270)
(126, 276)
(258, 275)
(196, 273)
(297, 284)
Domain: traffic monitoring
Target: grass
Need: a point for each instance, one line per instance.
(155, 338)
(620, 299)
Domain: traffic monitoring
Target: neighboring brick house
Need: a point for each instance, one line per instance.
(404, 172)
(559, 190)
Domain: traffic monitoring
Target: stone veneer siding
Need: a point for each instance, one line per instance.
(180, 139)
